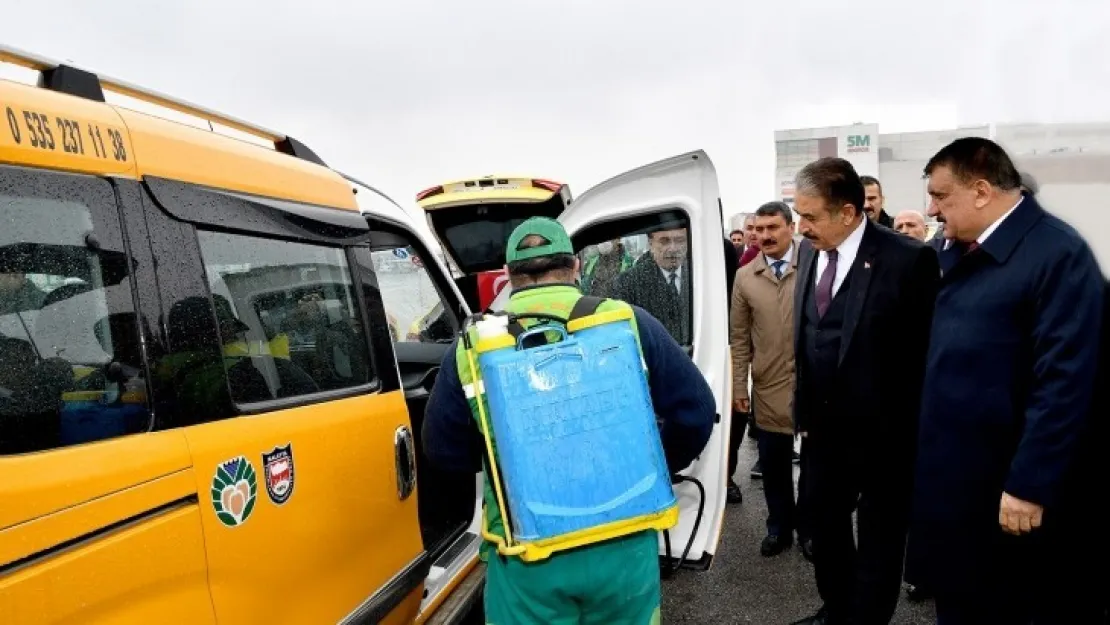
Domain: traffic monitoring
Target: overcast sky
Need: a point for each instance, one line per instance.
(408, 94)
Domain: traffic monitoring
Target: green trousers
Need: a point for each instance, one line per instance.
(610, 583)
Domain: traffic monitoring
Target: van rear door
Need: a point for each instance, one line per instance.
(661, 217)
(472, 219)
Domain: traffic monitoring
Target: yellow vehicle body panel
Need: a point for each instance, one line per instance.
(42, 128)
(36, 485)
(150, 572)
(458, 192)
(342, 534)
(513, 178)
(170, 150)
(58, 528)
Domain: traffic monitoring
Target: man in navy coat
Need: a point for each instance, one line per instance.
(1011, 372)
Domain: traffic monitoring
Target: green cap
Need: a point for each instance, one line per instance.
(557, 240)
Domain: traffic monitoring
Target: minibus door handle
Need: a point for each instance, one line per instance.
(405, 457)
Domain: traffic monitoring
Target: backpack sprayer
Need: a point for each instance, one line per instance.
(578, 458)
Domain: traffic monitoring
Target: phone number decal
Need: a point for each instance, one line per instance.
(41, 132)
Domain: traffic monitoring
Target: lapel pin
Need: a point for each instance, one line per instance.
(866, 265)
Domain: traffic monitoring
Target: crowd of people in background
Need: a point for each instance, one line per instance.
(943, 389)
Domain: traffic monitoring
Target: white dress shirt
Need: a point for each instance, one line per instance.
(789, 254)
(677, 277)
(998, 222)
(991, 228)
(846, 255)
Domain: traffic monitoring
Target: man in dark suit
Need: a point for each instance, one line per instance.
(873, 201)
(1000, 507)
(660, 282)
(739, 421)
(732, 265)
(857, 392)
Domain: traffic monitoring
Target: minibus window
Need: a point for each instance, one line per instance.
(71, 368)
(288, 319)
(413, 305)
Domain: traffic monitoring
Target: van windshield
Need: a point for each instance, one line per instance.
(475, 234)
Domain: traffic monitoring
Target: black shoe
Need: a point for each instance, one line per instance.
(807, 548)
(734, 494)
(821, 618)
(757, 471)
(774, 544)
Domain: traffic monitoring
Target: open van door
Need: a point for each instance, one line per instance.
(424, 312)
(663, 216)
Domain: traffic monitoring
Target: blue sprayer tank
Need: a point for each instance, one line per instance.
(579, 449)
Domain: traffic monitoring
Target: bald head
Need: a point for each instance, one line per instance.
(911, 223)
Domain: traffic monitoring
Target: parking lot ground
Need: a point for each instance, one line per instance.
(745, 588)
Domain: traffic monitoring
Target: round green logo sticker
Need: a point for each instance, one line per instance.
(234, 490)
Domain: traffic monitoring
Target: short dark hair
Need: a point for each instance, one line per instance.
(834, 180)
(540, 266)
(974, 158)
(735, 232)
(871, 180)
(771, 209)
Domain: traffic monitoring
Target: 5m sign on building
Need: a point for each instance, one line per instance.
(859, 145)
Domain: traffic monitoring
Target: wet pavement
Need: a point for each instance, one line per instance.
(744, 588)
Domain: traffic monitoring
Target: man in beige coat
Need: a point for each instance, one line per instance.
(762, 339)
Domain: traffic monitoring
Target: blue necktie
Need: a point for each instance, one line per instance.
(777, 266)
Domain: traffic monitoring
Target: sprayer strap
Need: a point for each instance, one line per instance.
(585, 306)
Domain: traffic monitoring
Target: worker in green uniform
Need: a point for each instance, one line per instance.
(614, 582)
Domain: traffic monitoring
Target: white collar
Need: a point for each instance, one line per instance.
(788, 256)
(849, 247)
(998, 222)
(991, 228)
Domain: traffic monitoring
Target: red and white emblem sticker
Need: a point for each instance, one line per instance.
(278, 469)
